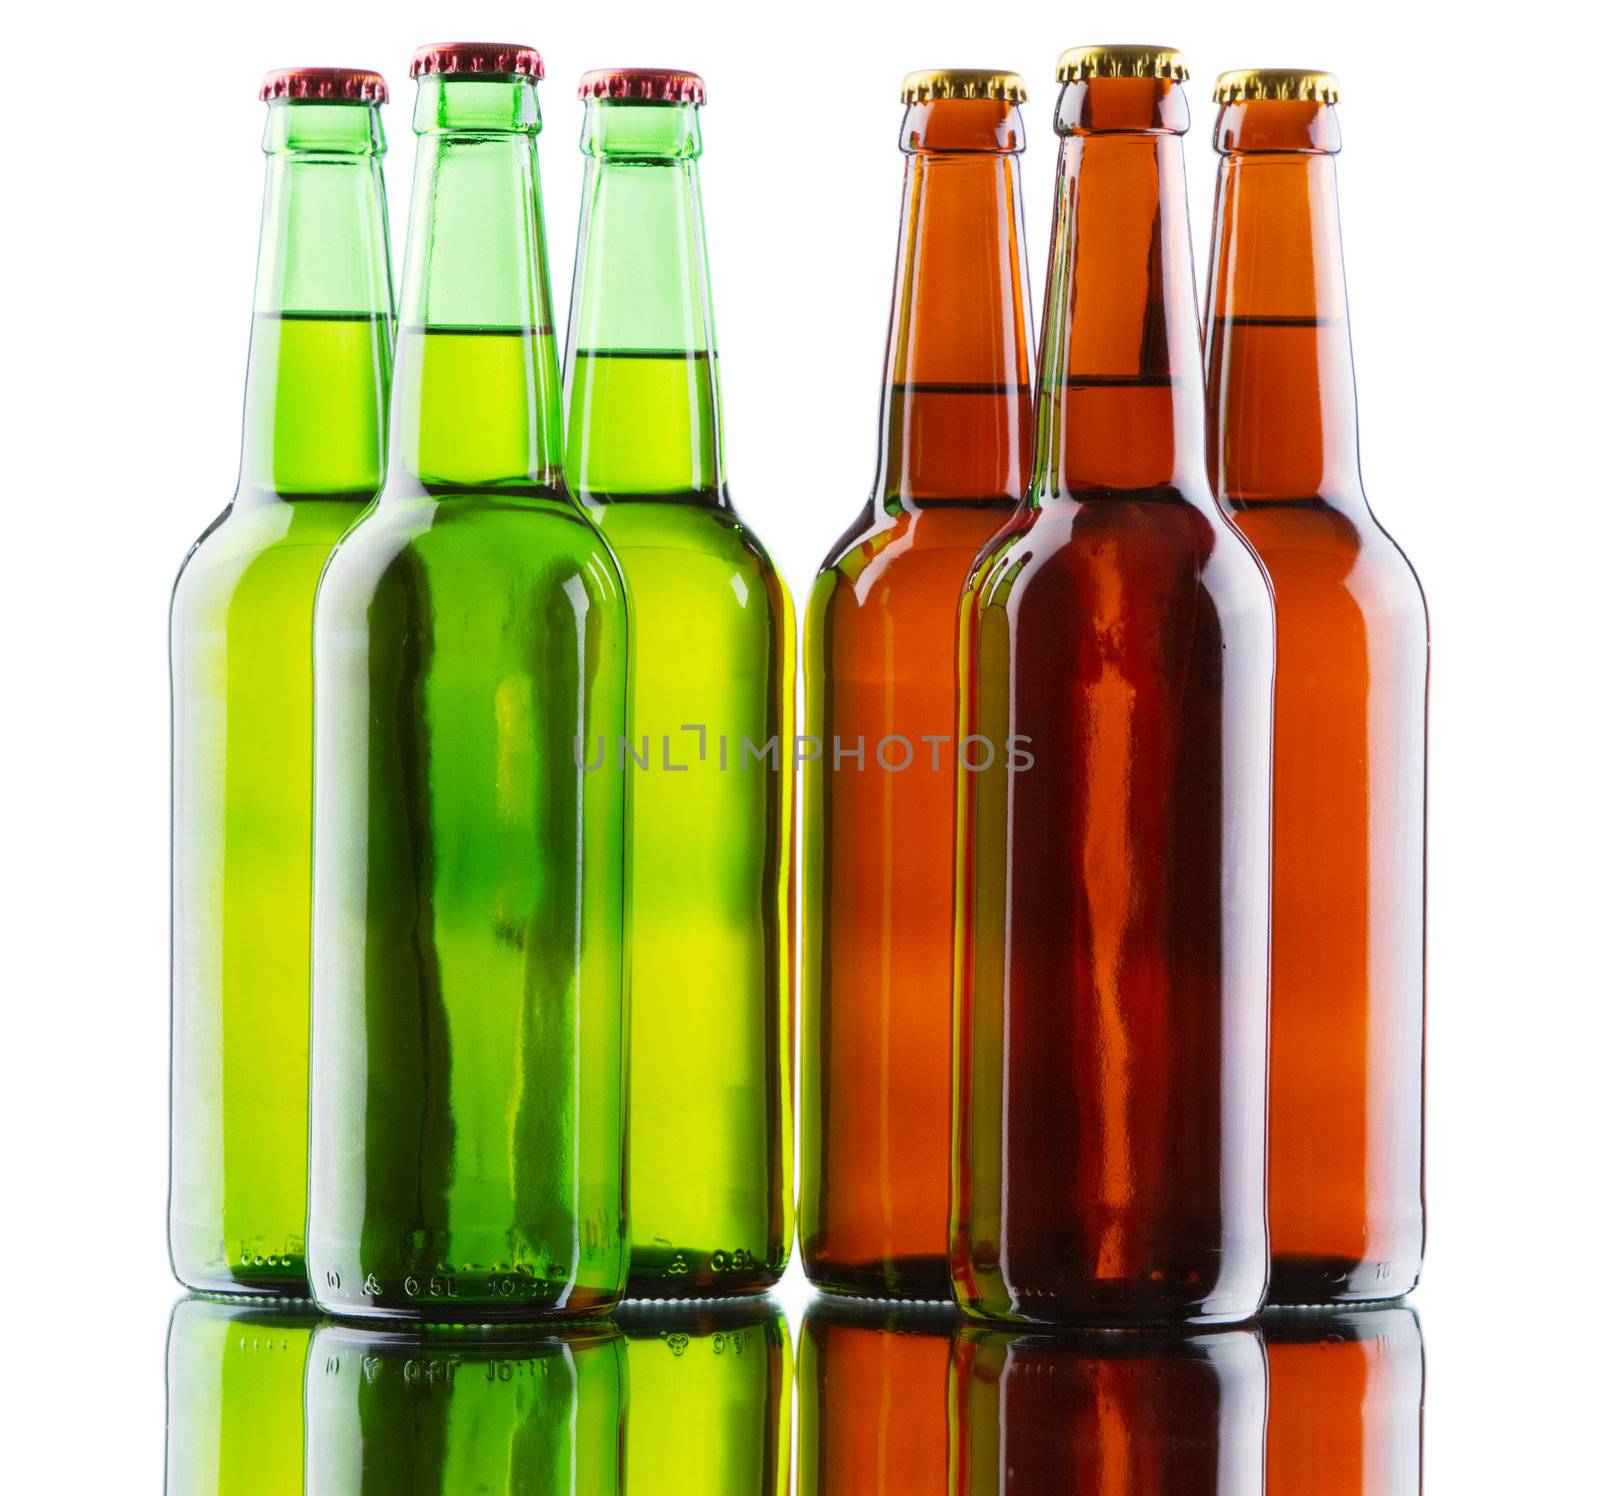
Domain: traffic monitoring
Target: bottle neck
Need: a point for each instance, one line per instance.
(476, 386)
(316, 395)
(957, 414)
(1282, 399)
(1121, 405)
(643, 406)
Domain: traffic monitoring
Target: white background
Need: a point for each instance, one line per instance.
(132, 187)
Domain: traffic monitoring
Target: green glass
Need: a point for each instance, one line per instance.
(315, 413)
(469, 1011)
(710, 780)
(235, 1416)
(465, 1412)
(708, 1398)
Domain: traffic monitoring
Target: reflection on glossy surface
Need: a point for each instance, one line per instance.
(874, 1382)
(708, 1399)
(1346, 1390)
(1113, 1413)
(235, 1425)
(451, 1411)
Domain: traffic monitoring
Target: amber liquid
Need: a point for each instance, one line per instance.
(1115, 1132)
(881, 670)
(885, 655)
(1349, 771)
(1344, 1162)
(1112, 1048)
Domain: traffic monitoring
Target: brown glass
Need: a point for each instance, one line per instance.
(1108, 1413)
(1345, 1387)
(954, 457)
(1112, 1048)
(1345, 1123)
(874, 1387)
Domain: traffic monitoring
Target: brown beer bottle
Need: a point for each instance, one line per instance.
(1345, 1387)
(1112, 1039)
(954, 456)
(1345, 1118)
(1108, 1412)
(874, 1390)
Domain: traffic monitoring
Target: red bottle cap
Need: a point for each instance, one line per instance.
(489, 58)
(643, 85)
(357, 85)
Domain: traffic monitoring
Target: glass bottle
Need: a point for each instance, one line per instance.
(314, 419)
(451, 1411)
(711, 800)
(469, 1054)
(1112, 1039)
(954, 453)
(708, 1398)
(235, 1419)
(1344, 1186)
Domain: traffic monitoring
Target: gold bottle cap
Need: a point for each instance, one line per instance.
(1275, 83)
(1077, 64)
(962, 83)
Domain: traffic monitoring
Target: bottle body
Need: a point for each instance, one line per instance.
(874, 1393)
(955, 446)
(1108, 1412)
(1349, 771)
(469, 1053)
(711, 805)
(240, 653)
(708, 1399)
(235, 1420)
(1344, 1184)
(484, 1410)
(468, 1076)
(710, 899)
(1114, 1033)
(881, 656)
(1346, 1389)
(1114, 910)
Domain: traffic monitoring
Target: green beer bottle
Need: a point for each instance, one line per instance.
(235, 1375)
(456, 1412)
(315, 405)
(469, 1007)
(708, 1398)
(710, 784)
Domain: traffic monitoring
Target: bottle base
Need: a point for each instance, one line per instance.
(454, 1297)
(284, 1283)
(1308, 1281)
(463, 1312)
(1110, 1305)
(678, 1273)
(907, 1279)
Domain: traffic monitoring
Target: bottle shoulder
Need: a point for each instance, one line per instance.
(475, 542)
(273, 543)
(676, 555)
(1314, 546)
(1141, 547)
(888, 557)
